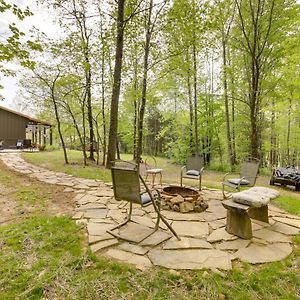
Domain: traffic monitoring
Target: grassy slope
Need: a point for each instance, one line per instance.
(44, 257)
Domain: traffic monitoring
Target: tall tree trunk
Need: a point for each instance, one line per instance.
(288, 135)
(144, 86)
(59, 124)
(273, 154)
(103, 107)
(226, 104)
(191, 109)
(195, 98)
(114, 107)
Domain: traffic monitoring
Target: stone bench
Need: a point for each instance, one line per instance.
(252, 203)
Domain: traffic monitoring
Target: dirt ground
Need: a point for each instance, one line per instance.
(22, 196)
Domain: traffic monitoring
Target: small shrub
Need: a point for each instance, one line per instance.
(41, 147)
(52, 147)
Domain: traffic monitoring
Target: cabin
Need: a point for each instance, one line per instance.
(25, 131)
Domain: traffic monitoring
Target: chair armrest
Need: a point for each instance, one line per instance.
(183, 170)
(201, 171)
(225, 176)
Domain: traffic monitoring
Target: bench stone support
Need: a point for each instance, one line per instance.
(259, 213)
(238, 218)
(239, 223)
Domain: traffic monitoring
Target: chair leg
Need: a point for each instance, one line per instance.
(161, 217)
(121, 224)
(153, 179)
(180, 180)
(200, 181)
(160, 178)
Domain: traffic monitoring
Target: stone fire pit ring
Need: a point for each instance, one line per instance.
(182, 191)
(182, 199)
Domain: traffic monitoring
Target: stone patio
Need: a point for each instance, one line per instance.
(204, 241)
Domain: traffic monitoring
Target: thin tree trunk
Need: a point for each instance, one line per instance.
(113, 130)
(288, 136)
(195, 98)
(144, 86)
(59, 124)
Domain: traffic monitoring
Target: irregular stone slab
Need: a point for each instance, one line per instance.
(233, 245)
(136, 249)
(156, 238)
(96, 213)
(103, 200)
(207, 216)
(144, 220)
(134, 232)
(171, 215)
(262, 224)
(256, 254)
(271, 236)
(103, 244)
(90, 182)
(288, 221)
(103, 220)
(191, 228)
(192, 259)
(50, 181)
(91, 206)
(97, 238)
(78, 215)
(217, 224)
(87, 199)
(285, 229)
(187, 243)
(138, 212)
(117, 215)
(259, 241)
(80, 187)
(106, 193)
(78, 197)
(98, 228)
(65, 183)
(68, 190)
(129, 258)
(219, 235)
(113, 205)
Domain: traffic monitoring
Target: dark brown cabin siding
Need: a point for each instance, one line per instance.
(12, 127)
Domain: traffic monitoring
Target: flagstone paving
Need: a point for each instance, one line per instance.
(204, 241)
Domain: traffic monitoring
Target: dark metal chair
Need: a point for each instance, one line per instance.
(194, 169)
(248, 175)
(126, 185)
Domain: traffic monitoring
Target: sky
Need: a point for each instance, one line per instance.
(44, 21)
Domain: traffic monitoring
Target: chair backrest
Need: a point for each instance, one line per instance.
(249, 169)
(126, 182)
(150, 163)
(194, 162)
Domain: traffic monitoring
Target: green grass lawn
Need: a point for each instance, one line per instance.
(46, 257)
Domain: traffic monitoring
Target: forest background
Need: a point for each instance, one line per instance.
(166, 78)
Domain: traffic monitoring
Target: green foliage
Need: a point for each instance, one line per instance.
(13, 47)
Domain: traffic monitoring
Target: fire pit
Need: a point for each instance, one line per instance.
(182, 199)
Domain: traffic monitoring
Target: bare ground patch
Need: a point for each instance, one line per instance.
(21, 196)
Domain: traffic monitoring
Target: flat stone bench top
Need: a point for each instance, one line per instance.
(255, 196)
(231, 205)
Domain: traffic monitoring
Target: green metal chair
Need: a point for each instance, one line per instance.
(127, 187)
(248, 175)
(193, 169)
